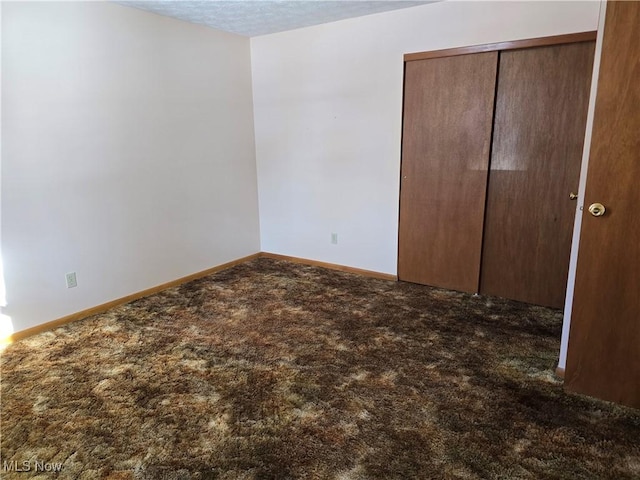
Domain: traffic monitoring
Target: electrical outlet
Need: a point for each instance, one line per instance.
(71, 280)
(334, 238)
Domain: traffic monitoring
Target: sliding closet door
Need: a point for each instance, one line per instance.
(541, 111)
(448, 107)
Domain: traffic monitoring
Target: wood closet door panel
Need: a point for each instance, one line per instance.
(540, 118)
(448, 109)
(604, 342)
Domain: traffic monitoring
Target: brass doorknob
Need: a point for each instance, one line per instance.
(573, 196)
(597, 209)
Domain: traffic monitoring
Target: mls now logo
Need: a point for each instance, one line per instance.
(28, 466)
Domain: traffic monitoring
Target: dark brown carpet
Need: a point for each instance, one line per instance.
(272, 370)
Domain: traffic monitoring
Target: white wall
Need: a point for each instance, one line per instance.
(328, 113)
(127, 153)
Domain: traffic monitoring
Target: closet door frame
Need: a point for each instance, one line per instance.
(512, 45)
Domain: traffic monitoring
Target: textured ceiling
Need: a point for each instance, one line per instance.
(260, 17)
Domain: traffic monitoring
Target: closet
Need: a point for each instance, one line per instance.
(491, 152)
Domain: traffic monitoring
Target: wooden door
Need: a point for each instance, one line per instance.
(604, 341)
(541, 111)
(448, 109)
